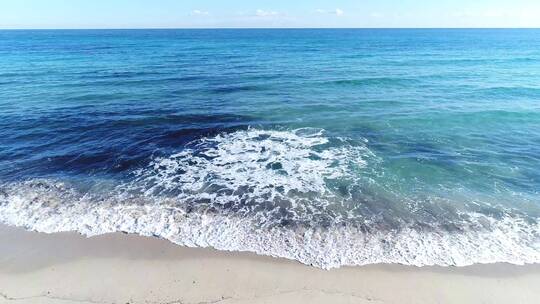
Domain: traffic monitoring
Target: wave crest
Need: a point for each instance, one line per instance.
(287, 194)
(294, 173)
(49, 207)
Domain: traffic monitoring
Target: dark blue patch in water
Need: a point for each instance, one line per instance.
(98, 142)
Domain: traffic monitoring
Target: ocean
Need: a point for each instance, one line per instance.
(331, 147)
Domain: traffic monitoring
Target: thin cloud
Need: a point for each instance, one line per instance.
(337, 11)
(263, 13)
(199, 13)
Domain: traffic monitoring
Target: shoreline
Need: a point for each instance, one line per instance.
(124, 268)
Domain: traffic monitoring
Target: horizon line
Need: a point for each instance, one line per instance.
(257, 28)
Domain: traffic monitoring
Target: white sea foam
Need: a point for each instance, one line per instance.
(247, 169)
(240, 172)
(51, 207)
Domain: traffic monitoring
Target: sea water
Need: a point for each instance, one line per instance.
(330, 147)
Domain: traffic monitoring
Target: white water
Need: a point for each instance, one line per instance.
(288, 172)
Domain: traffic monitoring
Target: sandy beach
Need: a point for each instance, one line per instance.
(405, 159)
(121, 268)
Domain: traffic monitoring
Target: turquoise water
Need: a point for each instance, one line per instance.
(331, 147)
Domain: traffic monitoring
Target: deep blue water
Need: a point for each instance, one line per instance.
(331, 147)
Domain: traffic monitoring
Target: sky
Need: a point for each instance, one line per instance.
(38, 14)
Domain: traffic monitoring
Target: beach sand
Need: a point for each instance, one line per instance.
(120, 268)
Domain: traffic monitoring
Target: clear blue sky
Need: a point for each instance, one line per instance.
(274, 13)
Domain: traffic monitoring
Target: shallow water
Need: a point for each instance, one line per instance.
(332, 147)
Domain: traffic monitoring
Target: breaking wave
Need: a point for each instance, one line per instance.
(291, 194)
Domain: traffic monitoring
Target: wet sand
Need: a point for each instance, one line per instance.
(120, 268)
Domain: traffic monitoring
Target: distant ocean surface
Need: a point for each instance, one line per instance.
(330, 147)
